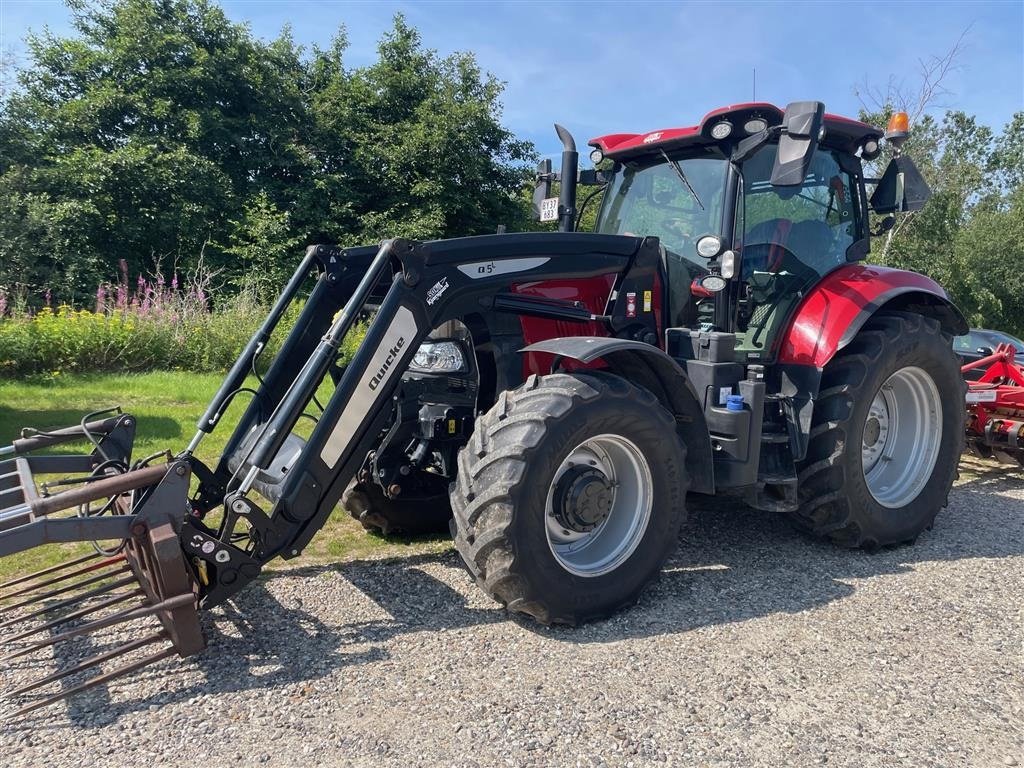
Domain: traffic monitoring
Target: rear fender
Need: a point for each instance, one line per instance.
(832, 314)
(648, 367)
(834, 310)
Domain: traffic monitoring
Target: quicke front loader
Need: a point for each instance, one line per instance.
(557, 394)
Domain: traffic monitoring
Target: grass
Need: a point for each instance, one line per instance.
(166, 405)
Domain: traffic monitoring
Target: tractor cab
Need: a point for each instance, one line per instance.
(752, 206)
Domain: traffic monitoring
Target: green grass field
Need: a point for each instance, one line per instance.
(167, 406)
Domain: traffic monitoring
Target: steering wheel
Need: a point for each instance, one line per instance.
(680, 227)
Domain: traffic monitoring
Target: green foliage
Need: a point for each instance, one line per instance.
(65, 340)
(411, 143)
(160, 131)
(265, 248)
(970, 235)
(54, 343)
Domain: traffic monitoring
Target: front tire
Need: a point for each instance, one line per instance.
(886, 435)
(368, 504)
(570, 496)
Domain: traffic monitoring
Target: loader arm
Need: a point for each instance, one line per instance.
(430, 283)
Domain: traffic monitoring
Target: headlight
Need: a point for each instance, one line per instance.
(439, 357)
(713, 283)
(709, 246)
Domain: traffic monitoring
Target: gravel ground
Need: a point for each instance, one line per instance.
(756, 647)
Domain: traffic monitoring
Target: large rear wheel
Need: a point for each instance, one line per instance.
(570, 495)
(886, 436)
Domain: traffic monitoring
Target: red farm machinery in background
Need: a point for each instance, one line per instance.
(995, 403)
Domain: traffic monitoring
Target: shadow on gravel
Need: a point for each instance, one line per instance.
(253, 642)
(733, 564)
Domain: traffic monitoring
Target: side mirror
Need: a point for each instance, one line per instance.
(985, 351)
(542, 192)
(901, 188)
(801, 129)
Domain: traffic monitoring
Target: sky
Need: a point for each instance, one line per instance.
(634, 67)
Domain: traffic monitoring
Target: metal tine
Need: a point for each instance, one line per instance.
(62, 577)
(90, 662)
(120, 598)
(63, 590)
(71, 600)
(119, 617)
(98, 680)
(51, 569)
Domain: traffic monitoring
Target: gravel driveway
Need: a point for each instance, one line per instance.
(756, 647)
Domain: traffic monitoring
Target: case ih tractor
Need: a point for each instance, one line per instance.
(558, 393)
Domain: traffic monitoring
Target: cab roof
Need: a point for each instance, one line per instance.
(840, 132)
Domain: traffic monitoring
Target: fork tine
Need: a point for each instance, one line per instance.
(62, 577)
(118, 598)
(99, 680)
(71, 600)
(129, 614)
(51, 569)
(65, 589)
(90, 662)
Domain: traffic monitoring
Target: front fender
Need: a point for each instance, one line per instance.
(835, 309)
(648, 367)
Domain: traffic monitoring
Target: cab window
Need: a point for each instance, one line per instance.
(798, 228)
(790, 237)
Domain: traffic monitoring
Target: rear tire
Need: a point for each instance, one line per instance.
(396, 517)
(886, 435)
(606, 455)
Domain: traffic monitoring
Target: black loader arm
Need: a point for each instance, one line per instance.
(430, 283)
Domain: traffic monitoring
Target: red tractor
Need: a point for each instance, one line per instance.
(559, 392)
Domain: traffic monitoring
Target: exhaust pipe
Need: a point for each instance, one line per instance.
(567, 193)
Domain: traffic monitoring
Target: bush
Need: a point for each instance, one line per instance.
(156, 327)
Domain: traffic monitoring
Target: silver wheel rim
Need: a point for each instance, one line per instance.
(901, 437)
(609, 545)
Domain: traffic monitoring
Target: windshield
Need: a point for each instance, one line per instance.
(655, 200)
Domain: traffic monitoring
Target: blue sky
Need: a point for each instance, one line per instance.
(636, 67)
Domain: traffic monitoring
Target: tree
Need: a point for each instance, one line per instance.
(161, 130)
(158, 118)
(414, 143)
(968, 237)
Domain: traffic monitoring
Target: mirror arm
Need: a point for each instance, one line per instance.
(884, 226)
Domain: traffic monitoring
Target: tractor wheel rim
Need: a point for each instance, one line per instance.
(610, 543)
(901, 437)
